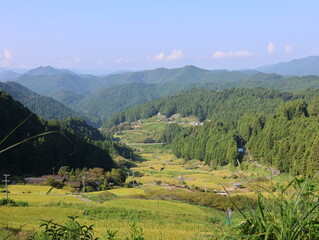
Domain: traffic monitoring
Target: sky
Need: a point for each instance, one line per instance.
(143, 34)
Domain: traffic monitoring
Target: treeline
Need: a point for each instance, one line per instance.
(111, 100)
(278, 129)
(73, 143)
(287, 139)
(93, 178)
(226, 106)
(215, 144)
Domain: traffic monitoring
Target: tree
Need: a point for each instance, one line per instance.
(64, 170)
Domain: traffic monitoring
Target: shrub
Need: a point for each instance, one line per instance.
(54, 183)
(69, 188)
(73, 230)
(149, 140)
(11, 203)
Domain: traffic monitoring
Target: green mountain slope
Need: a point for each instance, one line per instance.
(100, 97)
(106, 102)
(80, 146)
(45, 107)
(50, 84)
(299, 67)
(226, 105)
(110, 100)
(286, 139)
(8, 75)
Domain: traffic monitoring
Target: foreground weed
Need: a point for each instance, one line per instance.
(71, 230)
(290, 213)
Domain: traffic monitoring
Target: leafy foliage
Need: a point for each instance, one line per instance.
(290, 214)
(76, 148)
(73, 230)
(11, 203)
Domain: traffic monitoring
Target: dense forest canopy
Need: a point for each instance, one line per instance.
(74, 143)
(97, 98)
(235, 109)
(278, 129)
(222, 105)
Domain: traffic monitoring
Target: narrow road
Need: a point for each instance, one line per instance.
(275, 172)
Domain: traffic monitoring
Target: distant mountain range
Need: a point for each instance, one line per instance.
(43, 106)
(8, 75)
(297, 67)
(98, 97)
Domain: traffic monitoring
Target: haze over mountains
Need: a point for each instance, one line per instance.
(96, 98)
(298, 67)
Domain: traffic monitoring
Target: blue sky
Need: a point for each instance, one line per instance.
(136, 35)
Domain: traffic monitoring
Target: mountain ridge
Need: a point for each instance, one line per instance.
(299, 67)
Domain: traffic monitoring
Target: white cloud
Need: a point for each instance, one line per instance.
(175, 55)
(159, 57)
(288, 48)
(271, 48)
(232, 54)
(6, 57)
(7, 54)
(124, 60)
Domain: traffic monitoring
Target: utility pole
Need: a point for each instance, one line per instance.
(229, 214)
(53, 171)
(133, 177)
(83, 183)
(6, 182)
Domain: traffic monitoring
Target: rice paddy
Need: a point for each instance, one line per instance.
(158, 169)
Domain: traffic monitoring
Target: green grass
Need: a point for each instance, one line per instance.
(171, 220)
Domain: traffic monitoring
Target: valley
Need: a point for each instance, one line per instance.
(171, 198)
(159, 120)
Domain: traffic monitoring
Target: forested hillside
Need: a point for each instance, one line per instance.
(99, 97)
(106, 102)
(223, 105)
(287, 140)
(278, 129)
(73, 143)
(45, 107)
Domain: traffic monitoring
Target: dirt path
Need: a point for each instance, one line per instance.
(82, 198)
